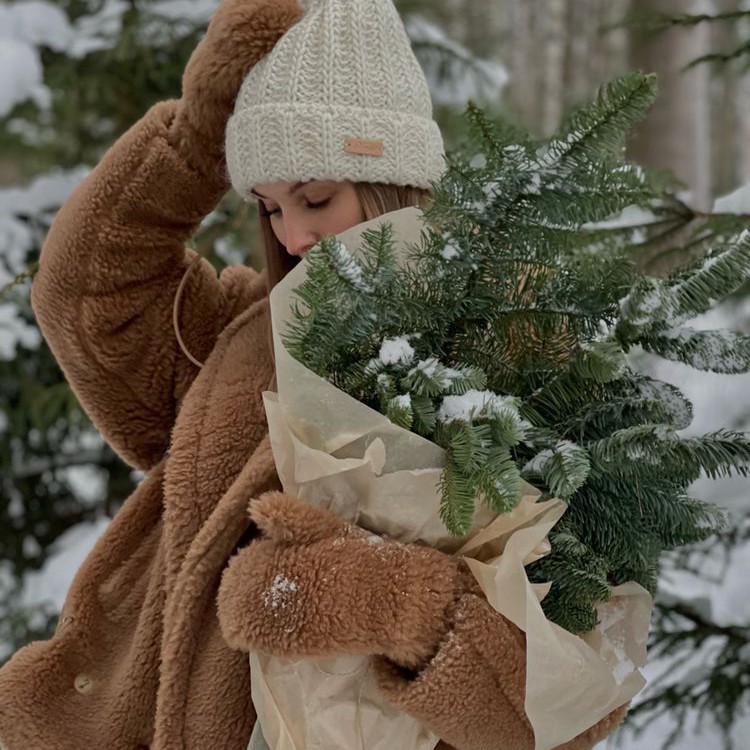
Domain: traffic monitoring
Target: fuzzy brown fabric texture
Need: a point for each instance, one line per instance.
(312, 584)
(139, 660)
(485, 656)
(327, 587)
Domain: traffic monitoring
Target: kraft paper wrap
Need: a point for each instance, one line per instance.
(335, 452)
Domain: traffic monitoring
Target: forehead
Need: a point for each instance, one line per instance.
(277, 188)
(283, 188)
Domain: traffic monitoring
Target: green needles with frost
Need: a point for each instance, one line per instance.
(505, 337)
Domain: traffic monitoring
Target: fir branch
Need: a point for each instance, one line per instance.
(26, 275)
(597, 129)
(719, 275)
(713, 351)
(659, 21)
(654, 306)
(721, 58)
(633, 400)
(503, 340)
(458, 498)
(717, 454)
(574, 568)
(562, 468)
(481, 126)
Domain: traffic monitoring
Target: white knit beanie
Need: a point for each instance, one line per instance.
(340, 97)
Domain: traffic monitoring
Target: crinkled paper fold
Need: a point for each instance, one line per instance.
(337, 453)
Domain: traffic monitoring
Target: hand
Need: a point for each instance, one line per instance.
(240, 33)
(314, 585)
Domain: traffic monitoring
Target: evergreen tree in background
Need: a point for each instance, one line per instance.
(104, 64)
(658, 21)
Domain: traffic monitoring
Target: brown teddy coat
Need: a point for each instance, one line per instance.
(140, 658)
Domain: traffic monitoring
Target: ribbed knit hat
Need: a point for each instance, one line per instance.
(340, 97)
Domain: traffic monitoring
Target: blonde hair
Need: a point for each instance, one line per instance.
(376, 199)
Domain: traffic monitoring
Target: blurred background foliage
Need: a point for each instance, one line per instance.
(75, 74)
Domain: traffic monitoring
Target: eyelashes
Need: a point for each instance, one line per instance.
(308, 204)
(319, 204)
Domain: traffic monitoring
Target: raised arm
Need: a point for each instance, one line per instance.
(115, 255)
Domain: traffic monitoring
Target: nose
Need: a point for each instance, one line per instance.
(299, 237)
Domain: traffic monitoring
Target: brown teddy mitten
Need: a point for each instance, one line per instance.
(241, 32)
(314, 585)
(481, 668)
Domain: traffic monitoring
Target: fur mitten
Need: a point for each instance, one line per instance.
(472, 694)
(314, 585)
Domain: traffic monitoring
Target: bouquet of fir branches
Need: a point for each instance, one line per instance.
(450, 377)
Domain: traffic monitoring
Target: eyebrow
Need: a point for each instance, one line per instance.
(292, 190)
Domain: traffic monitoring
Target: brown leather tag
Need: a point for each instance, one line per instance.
(363, 146)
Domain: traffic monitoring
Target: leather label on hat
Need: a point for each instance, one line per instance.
(363, 146)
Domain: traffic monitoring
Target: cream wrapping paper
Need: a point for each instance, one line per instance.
(334, 452)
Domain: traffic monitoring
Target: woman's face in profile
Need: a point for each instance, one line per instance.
(302, 213)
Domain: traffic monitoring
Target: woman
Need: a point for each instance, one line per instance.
(141, 657)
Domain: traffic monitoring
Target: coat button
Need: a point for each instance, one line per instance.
(83, 684)
(65, 622)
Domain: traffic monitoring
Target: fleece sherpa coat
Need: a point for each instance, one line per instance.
(139, 659)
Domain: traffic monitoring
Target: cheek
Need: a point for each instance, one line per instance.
(349, 214)
(278, 228)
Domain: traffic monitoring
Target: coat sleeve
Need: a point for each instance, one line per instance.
(471, 693)
(109, 270)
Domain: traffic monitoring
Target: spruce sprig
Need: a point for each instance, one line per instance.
(504, 339)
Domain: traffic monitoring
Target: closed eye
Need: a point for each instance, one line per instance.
(308, 204)
(320, 204)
